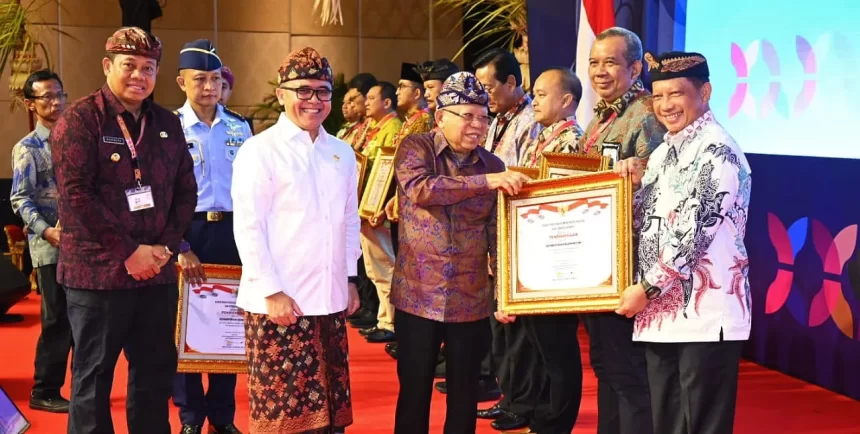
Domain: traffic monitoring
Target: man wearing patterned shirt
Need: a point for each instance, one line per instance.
(692, 303)
(127, 195)
(34, 198)
(557, 94)
(353, 107)
(376, 243)
(624, 126)
(446, 186)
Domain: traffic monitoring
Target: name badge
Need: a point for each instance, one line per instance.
(140, 198)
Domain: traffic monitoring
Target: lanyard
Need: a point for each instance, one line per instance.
(507, 118)
(598, 131)
(373, 132)
(132, 146)
(542, 145)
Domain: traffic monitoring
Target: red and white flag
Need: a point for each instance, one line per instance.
(595, 16)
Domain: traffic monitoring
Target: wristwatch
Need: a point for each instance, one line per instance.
(651, 291)
(352, 279)
(184, 247)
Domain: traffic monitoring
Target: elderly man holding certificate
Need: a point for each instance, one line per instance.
(441, 289)
(692, 303)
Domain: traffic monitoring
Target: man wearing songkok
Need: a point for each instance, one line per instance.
(557, 94)
(692, 303)
(215, 136)
(446, 186)
(376, 242)
(227, 81)
(500, 73)
(34, 198)
(434, 73)
(353, 107)
(509, 133)
(297, 229)
(127, 195)
(624, 126)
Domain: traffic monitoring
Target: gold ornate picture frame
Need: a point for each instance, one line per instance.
(531, 172)
(378, 184)
(360, 168)
(210, 329)
(558, 165)
(565, 245)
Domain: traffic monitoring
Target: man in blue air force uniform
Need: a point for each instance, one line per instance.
(214, 135)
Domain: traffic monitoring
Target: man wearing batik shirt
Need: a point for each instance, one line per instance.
(353, 107)
(692, 302)
(296, 224)
(126, 196)
(557, 94)
(500, 73)
(434, 73)
(446, 186)
(624, 126)
(381, 109)
(554, 380)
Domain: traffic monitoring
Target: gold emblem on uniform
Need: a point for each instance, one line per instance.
(114, 157)
(336, 157)
(163, 134)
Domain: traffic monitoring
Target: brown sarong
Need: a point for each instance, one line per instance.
(298, 376)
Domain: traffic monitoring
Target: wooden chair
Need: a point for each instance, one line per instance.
(17, 243)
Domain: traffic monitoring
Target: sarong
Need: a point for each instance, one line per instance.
(298, 376)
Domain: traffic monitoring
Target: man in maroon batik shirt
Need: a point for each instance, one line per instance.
(127, 194)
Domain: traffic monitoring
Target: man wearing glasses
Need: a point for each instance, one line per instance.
(34, 198)
(297, 231)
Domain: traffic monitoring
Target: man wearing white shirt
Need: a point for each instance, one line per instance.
(296, 223)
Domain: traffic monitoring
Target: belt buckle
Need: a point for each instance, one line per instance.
(214, 216)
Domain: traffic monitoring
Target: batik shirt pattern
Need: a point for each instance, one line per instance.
(691, 217)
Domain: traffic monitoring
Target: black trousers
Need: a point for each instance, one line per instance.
(517, 362)
(213, 243)
(558, 373)
(694, 386)
(418, 341)
(55, 341)
(623, 401)
(141, 323)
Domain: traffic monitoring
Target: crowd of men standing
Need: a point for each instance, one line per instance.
(115, 189)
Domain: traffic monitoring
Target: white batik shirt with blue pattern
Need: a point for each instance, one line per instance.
(690, 216)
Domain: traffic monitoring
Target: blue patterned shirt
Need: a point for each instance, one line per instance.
(34, 192)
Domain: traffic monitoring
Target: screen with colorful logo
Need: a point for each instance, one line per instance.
(784, 73)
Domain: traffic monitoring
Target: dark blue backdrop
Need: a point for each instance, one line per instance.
(802, 226)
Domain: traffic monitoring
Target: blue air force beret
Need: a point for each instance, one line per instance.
(199, 55)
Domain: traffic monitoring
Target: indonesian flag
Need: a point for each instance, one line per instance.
(595, 16)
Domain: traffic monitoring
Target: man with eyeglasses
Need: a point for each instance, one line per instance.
(126, 197)
(34, 198)
(297, 230)
(441, 288)
(214, 135)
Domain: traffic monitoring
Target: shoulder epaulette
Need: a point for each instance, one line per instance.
(176, 112)
(235, 114)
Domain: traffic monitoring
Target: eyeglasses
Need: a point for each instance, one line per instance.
(48, 97)
(471, 118)
(306, 93)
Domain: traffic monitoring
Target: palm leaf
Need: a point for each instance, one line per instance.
(502, 20)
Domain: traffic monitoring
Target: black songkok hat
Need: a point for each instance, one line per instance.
(439, 69)
(199, 55)
(677, 64)
(408, 72)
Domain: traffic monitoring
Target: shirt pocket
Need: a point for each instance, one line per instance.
(115, 164)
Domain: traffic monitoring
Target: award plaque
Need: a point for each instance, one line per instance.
(559, 165)
(565, 245)
(210, 329)
(376, 191)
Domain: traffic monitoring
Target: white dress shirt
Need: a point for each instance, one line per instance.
(691, 214)
(295, 205)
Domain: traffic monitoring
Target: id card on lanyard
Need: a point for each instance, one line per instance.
(139, 197)
(598, 131)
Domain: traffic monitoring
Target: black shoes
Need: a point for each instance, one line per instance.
(492, 413)
(191, 429)
(509, 421)
(221, 429)
(391, 349)
(57, 404)
(380, 336)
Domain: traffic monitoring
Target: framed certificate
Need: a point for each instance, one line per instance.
(381, 174)
(559, 165)
(12, 421)
(531, 172)
(360, 167)
(565, 245)
(210, 329)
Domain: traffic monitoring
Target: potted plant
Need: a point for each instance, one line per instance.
(19, 46)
